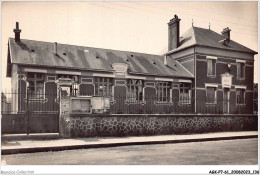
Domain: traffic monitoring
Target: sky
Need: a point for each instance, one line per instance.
(130, 26)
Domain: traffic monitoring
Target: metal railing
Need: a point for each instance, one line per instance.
(15, 102)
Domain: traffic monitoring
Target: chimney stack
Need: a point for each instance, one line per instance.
(174, 33)
(226, 33)
(17, 32)
(55, 48)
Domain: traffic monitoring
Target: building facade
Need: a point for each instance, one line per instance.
(202, 72)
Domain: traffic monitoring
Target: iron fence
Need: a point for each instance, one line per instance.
(13, 102)
(48, 103)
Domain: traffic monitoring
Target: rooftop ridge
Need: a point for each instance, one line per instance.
(89, 47)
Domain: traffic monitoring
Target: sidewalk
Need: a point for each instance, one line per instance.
(54, 143)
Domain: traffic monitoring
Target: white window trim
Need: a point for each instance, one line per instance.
(81, 82)
(211, 57)
(51, 76)
(182, 81)
(163, 79)
(67, 72)
(135, 77)
(241, 61)
(240, 87)
(211, 85)
(35, 70)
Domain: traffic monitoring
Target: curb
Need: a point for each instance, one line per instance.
(30, 137)
(106, 145)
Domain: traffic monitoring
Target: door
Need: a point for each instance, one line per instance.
(226, 101)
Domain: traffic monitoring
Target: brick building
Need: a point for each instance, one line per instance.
(202, 72)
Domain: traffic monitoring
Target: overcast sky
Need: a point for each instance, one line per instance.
(132, 26)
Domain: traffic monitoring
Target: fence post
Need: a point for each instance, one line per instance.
(64, 85)
(28, 110)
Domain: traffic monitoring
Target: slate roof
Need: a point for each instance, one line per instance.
(205, 37)
(32, 52)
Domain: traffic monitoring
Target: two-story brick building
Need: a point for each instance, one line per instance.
(223, 69)
(202, 72)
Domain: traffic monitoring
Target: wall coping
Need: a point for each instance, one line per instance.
(164, 115)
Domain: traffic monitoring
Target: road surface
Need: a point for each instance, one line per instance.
(228, 152)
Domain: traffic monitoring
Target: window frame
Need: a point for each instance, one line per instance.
(105, 82)
(215, 95)
(131, 83)
(241, 66)
(33, 94)
(212, 60)
(161, 88)
(244, 95)
(182, 101)
(74, 90)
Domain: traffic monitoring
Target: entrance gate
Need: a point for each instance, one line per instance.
(30, 113)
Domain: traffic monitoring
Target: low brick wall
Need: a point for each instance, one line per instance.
(134, 125)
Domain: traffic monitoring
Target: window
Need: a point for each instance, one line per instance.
(185, 93)
(211, 95)
(75, 86)
(211, 67)
(103, 86)
(163, 91)
(240, 96)
(134, 90)
(36, 82)
(240, 70)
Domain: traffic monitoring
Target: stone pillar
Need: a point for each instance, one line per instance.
(64, 87)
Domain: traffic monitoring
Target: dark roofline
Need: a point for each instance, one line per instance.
(158, 75)
(227, 49)
(100, 70)
(61, 67)
(178, 50)
(90, 47)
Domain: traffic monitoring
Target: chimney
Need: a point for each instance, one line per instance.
(226, 33)
(165, 60)
(17, 32)
(174, 33)
(55, 48)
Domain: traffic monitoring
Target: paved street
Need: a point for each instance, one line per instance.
(229, 152)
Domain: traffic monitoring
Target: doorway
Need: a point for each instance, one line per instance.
(226, 101)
